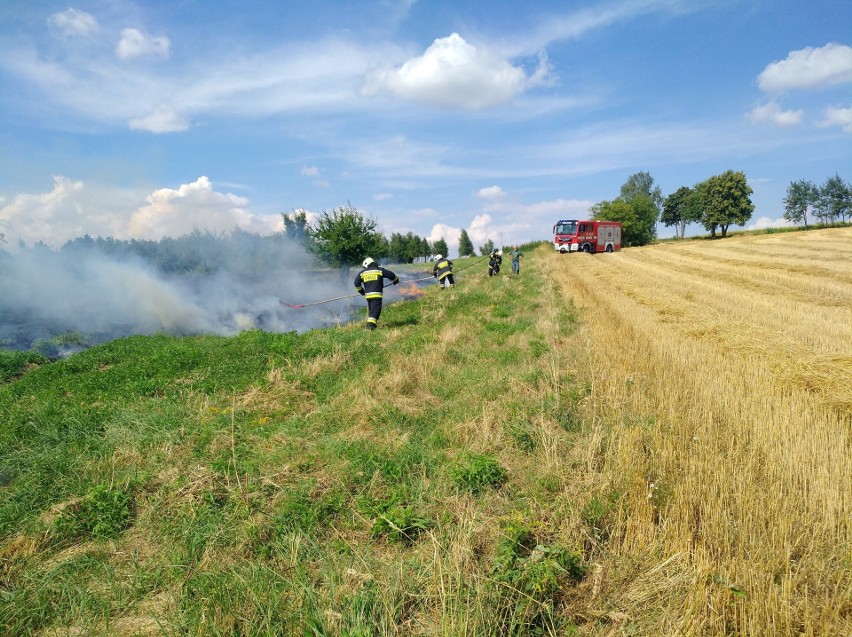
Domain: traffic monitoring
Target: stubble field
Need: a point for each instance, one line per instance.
(721, 376)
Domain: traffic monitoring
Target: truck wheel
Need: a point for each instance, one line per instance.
(609, 248)
(587, 248)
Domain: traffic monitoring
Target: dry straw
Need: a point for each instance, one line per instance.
(721, 375)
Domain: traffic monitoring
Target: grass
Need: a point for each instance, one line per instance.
(584, 449)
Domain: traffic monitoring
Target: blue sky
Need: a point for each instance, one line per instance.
(145, 119)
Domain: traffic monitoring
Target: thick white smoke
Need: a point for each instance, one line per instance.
(44, 294)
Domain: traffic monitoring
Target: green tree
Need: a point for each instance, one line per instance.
(801, 195)
(440, 247)
(343, 237)
(727, 201)
(486, 248)
(646, 200)
(465, 245)
(296, 225)
(834, 200)
(639, 184)
(680, 208)
(396, 248)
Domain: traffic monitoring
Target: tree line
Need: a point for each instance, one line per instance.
(716, 203)
(198, 253)
(828, 203)
(339, 238)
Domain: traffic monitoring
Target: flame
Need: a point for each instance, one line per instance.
(410, 290)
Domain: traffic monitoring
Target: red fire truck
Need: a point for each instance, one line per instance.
(573, 235)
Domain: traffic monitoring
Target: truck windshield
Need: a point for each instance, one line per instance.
(566, 227)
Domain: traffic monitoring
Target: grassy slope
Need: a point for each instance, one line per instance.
(491, 461)
(420, 479)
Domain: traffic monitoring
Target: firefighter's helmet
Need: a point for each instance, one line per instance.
(367, 262)
(438, 257)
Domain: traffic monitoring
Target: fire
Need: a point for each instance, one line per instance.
(410, 290)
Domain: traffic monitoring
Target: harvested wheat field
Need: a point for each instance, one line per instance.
(721, 392)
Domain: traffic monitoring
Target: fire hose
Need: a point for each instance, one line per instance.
(299, 306)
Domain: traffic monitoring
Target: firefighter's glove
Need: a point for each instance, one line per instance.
(361, 292)
(396, 282)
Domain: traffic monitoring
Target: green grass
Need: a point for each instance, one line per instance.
(337, 482)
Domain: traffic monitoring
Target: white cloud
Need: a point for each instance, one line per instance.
(382, 196)
(809, 68)
(836, 116)
(773, 113)
(72, 22)
(163, 119)
(174, 212)
(134, 44)
(449, 234)
(314, 171)
(72, 209)
(455, 74)
(491, 192)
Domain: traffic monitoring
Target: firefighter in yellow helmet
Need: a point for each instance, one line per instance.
(370, 282)
(443, 271)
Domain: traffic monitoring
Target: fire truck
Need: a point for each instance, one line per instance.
(573, 235)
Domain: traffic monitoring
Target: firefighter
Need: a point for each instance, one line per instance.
(494, 262)
(369, 283)
(516, 255)
(443, 271)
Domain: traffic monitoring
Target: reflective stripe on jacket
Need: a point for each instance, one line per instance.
(371, 281)
(442, 268)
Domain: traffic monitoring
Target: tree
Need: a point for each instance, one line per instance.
(834, 200)
(641, 183)
(619, 210)
(296, 226)
(465, 245)
(646, 200)
(440, 247)
(726, 200)
(801, 195)
(680, 208)
(343, 237)
(486, 248)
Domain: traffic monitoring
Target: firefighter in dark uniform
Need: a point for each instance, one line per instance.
(494, 262)
(369, 283)
(443, 271)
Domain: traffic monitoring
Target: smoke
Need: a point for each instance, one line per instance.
(46, 294)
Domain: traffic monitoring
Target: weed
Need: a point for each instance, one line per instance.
(399, 524)
(535, 574)
(521, 433)
(477, 472)
(103, 513)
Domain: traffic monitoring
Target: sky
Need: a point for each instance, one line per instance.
(149, 119)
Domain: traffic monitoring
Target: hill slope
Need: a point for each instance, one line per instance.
(494, 460)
